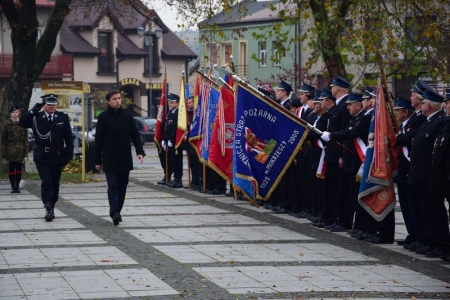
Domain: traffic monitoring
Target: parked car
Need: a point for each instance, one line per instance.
(76, 134)
(30, 139)
(146, 127)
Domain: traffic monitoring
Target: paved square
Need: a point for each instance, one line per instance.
(159, 210)
(56, 238)
(27, 213)
(135, 202)
(187, 220)
(84, 284)
(63, 257)
(271, 279)
(260, 253)
(216, 234)
(38, 224)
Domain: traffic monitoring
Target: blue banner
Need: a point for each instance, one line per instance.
(267, 137)
(208, 121)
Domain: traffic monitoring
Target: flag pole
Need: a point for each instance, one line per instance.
(339, 145)
(187, 154)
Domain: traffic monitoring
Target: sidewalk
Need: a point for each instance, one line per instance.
(179, 244)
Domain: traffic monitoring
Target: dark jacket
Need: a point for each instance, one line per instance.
(405, 140)
(112, 141)
(56, 137)
(422, 149)
(170, 127)
(316, 151)
(440, 168)
(357, 128)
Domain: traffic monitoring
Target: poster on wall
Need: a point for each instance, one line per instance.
(70, 98)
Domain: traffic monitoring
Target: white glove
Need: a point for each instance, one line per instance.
(325, 136)
(163, 144)
(169, 144)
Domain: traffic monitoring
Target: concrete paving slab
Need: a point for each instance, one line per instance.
(135, 202)
(38, 224)
(187, 220)
(215, 234)
(261, 253)
(28, 238)
(27, 213)
(159, 210)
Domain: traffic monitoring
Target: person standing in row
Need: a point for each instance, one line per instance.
(14, 147)
(170, 133)
(53, 147)
(115, 128)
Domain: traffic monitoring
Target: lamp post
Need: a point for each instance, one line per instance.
(148, 39)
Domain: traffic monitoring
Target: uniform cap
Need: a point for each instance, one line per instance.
(354, 97)
(326, 94)
(51, 99)
(403, 103)
(369, 92)
(282, 85)
(305, 88)
(317, 94)
(447, 95)
(13, 108)
(339, 81)
(433, 96)
(420, 87)
(267, 93)
(173, 97)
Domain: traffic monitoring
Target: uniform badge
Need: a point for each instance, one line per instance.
(427, 135)
(407, 130)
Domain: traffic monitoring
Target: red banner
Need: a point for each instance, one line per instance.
(161, 117)
(221, 147)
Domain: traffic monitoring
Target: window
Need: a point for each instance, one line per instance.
(242, 60)
(106, 58)
(154, 56)
(227, 50)
(211, 53)
(276, 55)
(262, 54)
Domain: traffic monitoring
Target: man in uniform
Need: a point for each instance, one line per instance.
(194, 162)
(409, 126)
(53, 147)
(431, 234)
(339, 119)
(170, 131)
(357, 130)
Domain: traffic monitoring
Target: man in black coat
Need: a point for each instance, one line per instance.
(170, 133)
(115, 128)
(53, 147)
(433, 236)
(356, 130)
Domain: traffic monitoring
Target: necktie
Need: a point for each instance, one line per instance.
(50, 119)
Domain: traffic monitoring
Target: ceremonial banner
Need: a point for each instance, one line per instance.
(210, 103)
(182, 117)
(222, 141)
(267, 140)
(195, 134)
(376, 192)
(161, 117)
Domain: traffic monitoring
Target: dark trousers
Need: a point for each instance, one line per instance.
(162, 160)
(319, 187)
(176, 162)
(117, 188)
(287, 192)
(50, 175)
(363, 220)
(404, 198)
(333, 195)
(346, 210)
(301, 185)
(194, 164)
(437, 214)
(419, 194)
(15, 174)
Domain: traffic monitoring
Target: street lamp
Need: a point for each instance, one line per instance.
(148, 38)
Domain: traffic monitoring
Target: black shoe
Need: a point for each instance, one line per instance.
(176, 184)
(218, 192)
(116, 220)
(276, 208)
(328, 227)
(303, 215)
(49, 215)
(282, 211)
(267, 206)
(260, 202)
(366, 236)
(438, 252)
(120, 219)
(338, 228)
(379, 240)
(163, 181)
(229, 194)
(414, 246)
(424, 249)
(209, 191)
(445, 257)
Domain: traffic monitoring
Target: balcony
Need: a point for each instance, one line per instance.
(241, 71)
(59, 66)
